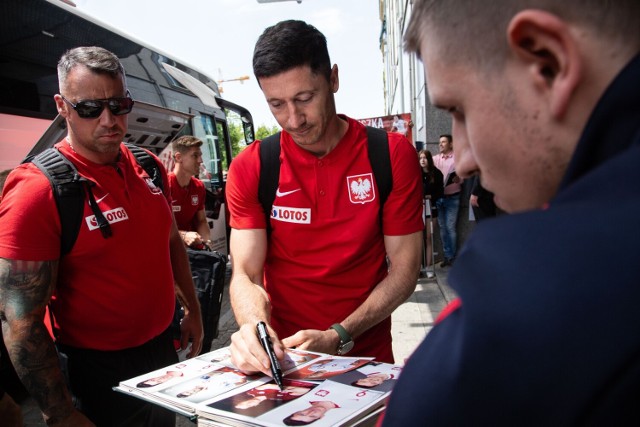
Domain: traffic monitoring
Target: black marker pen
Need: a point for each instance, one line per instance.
(265, 340)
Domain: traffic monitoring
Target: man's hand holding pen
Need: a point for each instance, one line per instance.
(247, 352)
(265, 340)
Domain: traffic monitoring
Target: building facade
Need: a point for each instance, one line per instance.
(405, 91)
(404, 83)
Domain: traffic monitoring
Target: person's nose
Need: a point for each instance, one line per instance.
(295, 117)
(107, 119)
(466, 165)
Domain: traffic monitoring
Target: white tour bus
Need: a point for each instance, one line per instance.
(172, 98)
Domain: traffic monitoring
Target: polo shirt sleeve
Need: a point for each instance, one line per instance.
(403, 209)
(242, 190)
(29, 220)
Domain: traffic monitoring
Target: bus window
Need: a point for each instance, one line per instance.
(41, 31)
(238, 134)
(211, 161)
(204, 129)
(222, 128)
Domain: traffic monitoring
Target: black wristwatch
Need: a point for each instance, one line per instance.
(346, 342)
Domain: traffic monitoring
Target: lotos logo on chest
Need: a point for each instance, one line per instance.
(294, 215)
(360, 188)
(112, 216)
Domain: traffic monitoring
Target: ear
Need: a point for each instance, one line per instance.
(61, 105)
(546, 46)
(334, 80)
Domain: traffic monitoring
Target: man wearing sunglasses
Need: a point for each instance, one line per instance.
(111, 307)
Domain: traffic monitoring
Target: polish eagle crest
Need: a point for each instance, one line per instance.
(361, 188)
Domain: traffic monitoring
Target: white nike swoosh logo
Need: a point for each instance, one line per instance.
(286, 193)
(102, 198)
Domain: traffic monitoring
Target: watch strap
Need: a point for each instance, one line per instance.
(342, 333)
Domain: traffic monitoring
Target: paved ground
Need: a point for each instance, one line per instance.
(410, 323)
(415, 318)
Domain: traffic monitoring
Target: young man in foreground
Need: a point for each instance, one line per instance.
(545, 101)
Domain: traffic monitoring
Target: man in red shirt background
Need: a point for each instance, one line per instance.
(188, 192)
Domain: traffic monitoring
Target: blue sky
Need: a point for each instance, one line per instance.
(217, 37)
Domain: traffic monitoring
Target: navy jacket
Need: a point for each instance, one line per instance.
(548, 333)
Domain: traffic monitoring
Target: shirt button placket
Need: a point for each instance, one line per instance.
(321, 191)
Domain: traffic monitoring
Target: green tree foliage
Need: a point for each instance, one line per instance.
(236, 134)
(264, 131)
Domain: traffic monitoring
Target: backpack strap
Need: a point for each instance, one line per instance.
(379, 157)
(69, 190)
(148, 163)
(269, 174)
(380, 160)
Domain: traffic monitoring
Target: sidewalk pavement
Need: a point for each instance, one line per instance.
(410, 324)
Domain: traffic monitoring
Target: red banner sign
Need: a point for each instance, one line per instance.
(400, 123)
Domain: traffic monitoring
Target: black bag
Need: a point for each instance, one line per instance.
(208, 269)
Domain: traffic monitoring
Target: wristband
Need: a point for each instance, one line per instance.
(346, 342)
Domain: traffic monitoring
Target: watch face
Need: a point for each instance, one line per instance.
(345, 348)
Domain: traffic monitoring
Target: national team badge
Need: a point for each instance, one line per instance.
(194, 200)
(152, 186)
(361, 188)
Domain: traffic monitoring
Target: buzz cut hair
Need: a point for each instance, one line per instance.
(97, 59)
(476, 31)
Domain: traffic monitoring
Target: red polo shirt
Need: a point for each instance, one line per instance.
(326, 250)
(186, 201)
(111, 293)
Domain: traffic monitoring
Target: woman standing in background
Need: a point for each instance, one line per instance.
(432, 190)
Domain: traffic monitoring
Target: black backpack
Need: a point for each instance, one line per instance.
(69, 190)
(379, 158)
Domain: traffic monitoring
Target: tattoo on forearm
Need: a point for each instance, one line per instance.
(25, 289)
(36, 362)
(26, 285)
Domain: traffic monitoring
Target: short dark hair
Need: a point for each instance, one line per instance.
(290, 44)
(448, 136)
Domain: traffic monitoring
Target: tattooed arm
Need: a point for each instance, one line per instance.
(25, 291)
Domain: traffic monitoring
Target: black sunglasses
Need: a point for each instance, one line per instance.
(92, 108)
